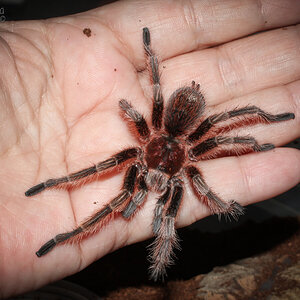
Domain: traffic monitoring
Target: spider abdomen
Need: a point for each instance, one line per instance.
(185, 106)
(165, 154)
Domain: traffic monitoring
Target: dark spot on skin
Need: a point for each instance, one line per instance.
(52, 76)
(77, 83)
(95, 202)
(87, 32)
(140, 21)
(164, 67)
(115, 69)
(266, 22)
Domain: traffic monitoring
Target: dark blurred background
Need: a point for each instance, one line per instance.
(15, 10)
(201, 241)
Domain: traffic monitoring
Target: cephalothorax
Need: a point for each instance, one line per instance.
(180, 136)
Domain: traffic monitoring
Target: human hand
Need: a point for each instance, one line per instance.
(59, 96)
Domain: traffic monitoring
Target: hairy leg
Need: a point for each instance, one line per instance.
(158, 101)
(166, 239)
(99, 216)
(115, 160)
(159, 209)
(209, 198)
(258, 116)
(212, 143)
(137, 200)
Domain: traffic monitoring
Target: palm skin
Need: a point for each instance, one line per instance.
(59, 114)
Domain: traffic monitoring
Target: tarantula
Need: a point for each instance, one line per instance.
(180, 135)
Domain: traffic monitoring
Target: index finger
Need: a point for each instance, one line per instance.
(179, 27)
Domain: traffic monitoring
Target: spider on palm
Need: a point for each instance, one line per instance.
(180, 136)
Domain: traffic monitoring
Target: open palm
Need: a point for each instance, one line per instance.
(59, 113)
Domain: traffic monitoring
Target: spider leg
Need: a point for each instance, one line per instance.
(137, 200)
(214, 142)
(166, 239)
(139, 121)
(98, 168)
(258, 116)
(158, 101)
(158, 211)
(209, 198)
(112, 206)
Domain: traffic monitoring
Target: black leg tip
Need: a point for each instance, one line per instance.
(146, 36)
(46, 248)
(286, 116)
(236, 210)
(266, 147)
(35, 190)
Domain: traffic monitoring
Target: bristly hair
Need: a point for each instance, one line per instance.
(162, 249)
(185, 106)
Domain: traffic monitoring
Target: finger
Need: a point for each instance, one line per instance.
(275, 100)
(239, 67)
(182, 26)
(246, 179)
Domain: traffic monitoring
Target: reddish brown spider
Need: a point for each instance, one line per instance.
(180, 136)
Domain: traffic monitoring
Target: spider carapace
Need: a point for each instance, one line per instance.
(180, 136)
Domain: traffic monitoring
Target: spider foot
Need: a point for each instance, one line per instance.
(286, 116)
(162, 249)
(276, 118)
(35, 190)
(234, 210)
(46, 248)
(146, 36)
(157, 272)
(263, 147)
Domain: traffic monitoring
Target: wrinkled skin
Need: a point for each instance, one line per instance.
(59, 113)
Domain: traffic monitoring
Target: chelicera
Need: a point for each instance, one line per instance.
(180, 136)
